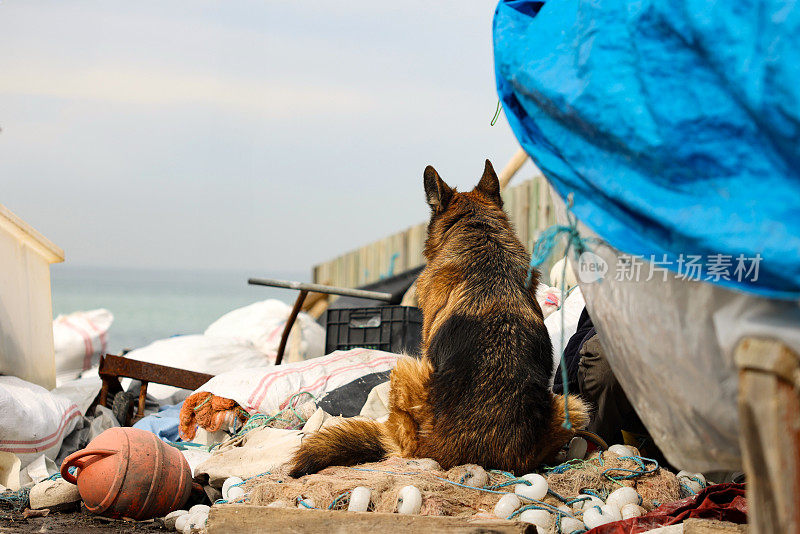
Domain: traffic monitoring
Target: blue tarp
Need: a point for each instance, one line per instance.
(675, 124)
(163, 424)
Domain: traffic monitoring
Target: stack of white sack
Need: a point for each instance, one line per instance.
(79, 339)
(33, 423)
(244, 338)
(262, 324)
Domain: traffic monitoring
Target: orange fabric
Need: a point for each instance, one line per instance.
(208, 411)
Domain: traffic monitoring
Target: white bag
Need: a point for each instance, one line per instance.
(33, 421)
(572, 308)
(79, 339)
(262, 324)
(549, 299)
(265, 389)
(204, 354)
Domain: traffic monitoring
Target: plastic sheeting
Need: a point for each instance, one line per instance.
(670, 344)
(675, 124)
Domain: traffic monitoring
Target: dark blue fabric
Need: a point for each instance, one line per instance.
(675, 124)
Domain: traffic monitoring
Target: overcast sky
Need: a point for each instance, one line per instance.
(236, 134)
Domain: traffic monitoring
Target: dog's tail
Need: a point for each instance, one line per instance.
(351, 442)
(578, 412)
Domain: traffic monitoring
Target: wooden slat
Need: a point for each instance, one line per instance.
(250, 518)
(529, 208)
(769, 416)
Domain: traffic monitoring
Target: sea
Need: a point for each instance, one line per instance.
(150, 304)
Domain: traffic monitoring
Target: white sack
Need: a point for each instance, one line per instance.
(33, 421)
(265, 389)
(549, 299)
(79, 339)
(262, 324)
(572, 308)
(204, 354)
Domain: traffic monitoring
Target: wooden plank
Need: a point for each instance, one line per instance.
(522, 208)
(250, 518)
(769, 419)
(416, 244)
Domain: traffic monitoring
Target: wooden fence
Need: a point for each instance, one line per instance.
(527, 204)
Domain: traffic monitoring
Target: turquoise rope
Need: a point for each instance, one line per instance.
(337, 499)
(541, 251)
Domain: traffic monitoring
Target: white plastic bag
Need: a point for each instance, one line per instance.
(549, 299)
(204, 354)
(33, 421)
(265, 389)
(79, 339)
(572, 308)
(262, 324)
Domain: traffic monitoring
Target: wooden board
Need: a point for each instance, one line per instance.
(249, 518)
(527, 204)
(769, 417)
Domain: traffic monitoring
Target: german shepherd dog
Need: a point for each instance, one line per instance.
(480, 392)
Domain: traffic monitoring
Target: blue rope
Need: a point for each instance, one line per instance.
(302, 501)
(541, 251)
(633, 474)
(337, 499)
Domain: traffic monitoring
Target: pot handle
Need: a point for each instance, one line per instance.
(75, 459)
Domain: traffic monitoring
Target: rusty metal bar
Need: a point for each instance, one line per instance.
(142, 399)
(289, 323)
(319, 288)
(112, 366)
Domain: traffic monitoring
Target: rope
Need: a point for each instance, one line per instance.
(259, 420)
(243, 497)
(496, 113)
(206, 401)
(337, 499)
(17, 499)
(302, 501)
(541, 251)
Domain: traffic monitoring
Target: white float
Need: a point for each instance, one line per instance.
(359, 499)
(476, 476)
(507, 505)
(540, 518)
(622, 496)
(226, 486)
(536, 490)
(632, 510)
(409, 500)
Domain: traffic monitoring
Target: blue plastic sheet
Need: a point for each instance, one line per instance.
(676, 126)
(163, 424)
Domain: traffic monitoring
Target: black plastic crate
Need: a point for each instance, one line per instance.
(389, 328)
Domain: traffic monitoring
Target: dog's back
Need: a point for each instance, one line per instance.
(484, 334)
(480, 394)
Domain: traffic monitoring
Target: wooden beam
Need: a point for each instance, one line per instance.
(769, 419)
(512, 167)
(250, 518)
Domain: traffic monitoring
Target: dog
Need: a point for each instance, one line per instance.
(479, 393)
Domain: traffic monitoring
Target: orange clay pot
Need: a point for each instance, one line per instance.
(128, 472)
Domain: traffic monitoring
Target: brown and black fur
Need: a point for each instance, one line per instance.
(480, 392)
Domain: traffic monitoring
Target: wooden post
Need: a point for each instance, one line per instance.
(512, 167)
(769, 418)
(251, 518)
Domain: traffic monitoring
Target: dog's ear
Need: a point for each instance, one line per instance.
(438, 193)
(490, 185)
